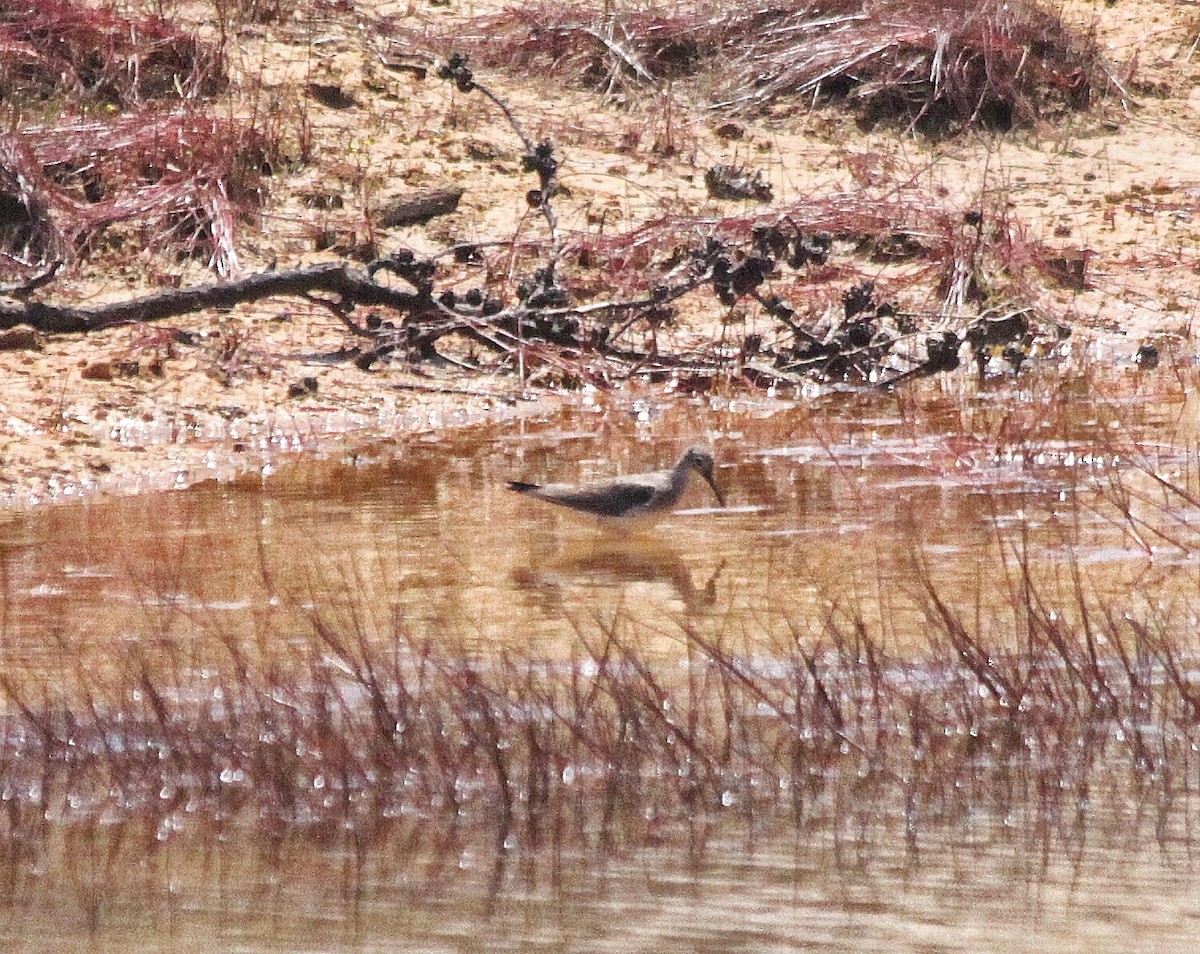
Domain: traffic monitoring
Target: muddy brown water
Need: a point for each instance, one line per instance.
(850, 505)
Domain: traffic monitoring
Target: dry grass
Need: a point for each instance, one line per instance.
(60, 52)
(940, 66)
(130, 137)
(180, 180)
(185, 177)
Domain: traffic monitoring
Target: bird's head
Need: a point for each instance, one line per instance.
(700, 459)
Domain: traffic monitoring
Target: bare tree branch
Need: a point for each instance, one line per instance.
(353, 284)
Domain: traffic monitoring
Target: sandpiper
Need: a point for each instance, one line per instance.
(630, 496)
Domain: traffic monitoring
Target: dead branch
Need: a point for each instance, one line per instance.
(539, 157)
(417, 208)
(355, 286)
(26, 288)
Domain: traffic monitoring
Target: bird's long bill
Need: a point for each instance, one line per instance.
(716, 490)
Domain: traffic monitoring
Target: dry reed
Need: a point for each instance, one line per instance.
(942, 66)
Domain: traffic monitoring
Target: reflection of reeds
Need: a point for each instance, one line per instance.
(1028, 734)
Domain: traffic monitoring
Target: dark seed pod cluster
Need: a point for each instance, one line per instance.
(736, 182)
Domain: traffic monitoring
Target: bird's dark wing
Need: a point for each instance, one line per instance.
(605, 498)
(610, 500)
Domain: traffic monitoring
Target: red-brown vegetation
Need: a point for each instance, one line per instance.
(1042, 729)
(941, 66)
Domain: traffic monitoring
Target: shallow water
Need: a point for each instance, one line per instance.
(854, 500)
(849, 511)
(775, 899)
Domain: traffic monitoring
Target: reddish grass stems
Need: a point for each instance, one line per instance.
(1042, 731)
(185, 175)
(58, 49)
(64, 183)
(951, 262)
(898, 227)
(940, 65)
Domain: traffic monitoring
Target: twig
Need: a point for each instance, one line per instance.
(44, 277)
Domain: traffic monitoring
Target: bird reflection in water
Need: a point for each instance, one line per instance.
(613, 562)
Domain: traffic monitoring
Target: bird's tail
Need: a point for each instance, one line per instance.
(521, 487)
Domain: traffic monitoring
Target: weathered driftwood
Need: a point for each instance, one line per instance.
(415, 208)
(354, 286)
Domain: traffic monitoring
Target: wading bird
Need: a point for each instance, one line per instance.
(630, 496)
